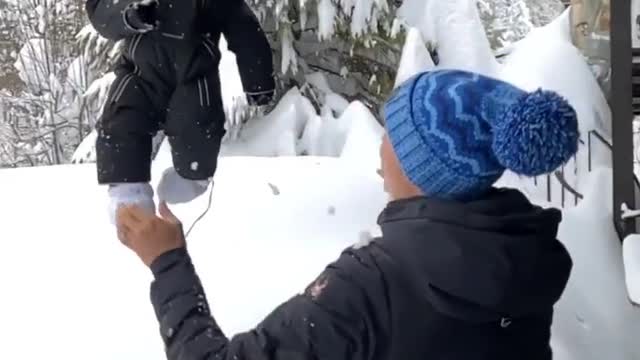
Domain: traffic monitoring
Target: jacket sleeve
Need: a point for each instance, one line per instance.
(332, 319)
(108, 18)
(247, 40)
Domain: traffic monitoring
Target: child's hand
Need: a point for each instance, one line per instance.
(142, 16)
(148, 235)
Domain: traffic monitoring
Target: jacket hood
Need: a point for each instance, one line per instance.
(483, 260)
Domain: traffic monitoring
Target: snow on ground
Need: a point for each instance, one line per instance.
(273, 226)
(594, 320)
(72, 288)
(631, 258)
(276, 222)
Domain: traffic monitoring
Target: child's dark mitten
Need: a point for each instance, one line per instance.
(260, 104)
(142, 16)
(260, 98)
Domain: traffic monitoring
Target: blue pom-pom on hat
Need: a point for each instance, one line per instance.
(536, 134)
(456, 132)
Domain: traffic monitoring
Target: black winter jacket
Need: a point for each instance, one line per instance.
(447, 281)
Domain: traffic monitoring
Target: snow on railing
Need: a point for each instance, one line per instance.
(567, 191)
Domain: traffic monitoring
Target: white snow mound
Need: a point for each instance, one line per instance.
(273, 227)
(594, 319)
(631, 257)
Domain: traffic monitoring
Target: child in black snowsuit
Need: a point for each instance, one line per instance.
(463, 270)
(167, 78)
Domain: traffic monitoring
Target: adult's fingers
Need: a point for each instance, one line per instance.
(167, 214)
(122, 227)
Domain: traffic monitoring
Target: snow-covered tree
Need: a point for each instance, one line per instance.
(356, 44)
(49, 116)
(8, 45)
(507, 21)
(323, 47)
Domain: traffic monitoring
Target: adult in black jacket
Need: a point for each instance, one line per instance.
(167, 78)
(463, 270)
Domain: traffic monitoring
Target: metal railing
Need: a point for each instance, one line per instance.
(568, 192)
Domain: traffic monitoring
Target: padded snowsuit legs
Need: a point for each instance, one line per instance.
(176, 90)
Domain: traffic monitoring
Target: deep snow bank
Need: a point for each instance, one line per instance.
(594, 319)
(71, 288)
(275, 223)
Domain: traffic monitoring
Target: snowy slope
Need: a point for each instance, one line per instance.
(595, 320)
(73, 291)
(275, 223)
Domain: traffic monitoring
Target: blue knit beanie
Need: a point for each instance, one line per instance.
(456, 132)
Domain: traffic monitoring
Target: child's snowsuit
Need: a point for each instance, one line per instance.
(168, 79)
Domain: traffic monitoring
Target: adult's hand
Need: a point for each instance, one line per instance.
(148, 235)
